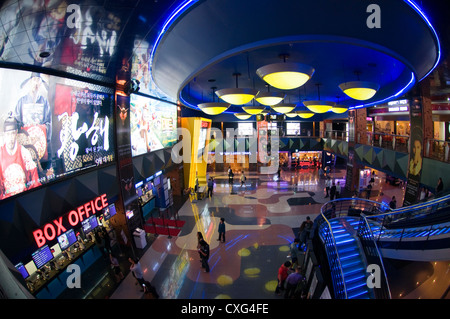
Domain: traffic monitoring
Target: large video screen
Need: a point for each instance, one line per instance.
(153, 124)
(51, 127)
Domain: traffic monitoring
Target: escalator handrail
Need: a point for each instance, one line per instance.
(336, 251)
(363, 216)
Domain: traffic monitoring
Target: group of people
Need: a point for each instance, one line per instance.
(332, 189)
(242, 179)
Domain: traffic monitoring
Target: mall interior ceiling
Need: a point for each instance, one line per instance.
(190, 48)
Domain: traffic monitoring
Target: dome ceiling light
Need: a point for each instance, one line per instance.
(283, 108)
(269, 98)
(305, 114)
(318, 106)
(253, 110)
(285, 76)
(359, 90)
(339, 108)
(214, 108)
(242, 116)
(237, 96)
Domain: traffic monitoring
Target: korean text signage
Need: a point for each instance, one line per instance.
(74, 218)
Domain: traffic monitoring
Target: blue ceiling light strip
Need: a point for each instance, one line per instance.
(399, 93)
(172, 17)
(413, 5)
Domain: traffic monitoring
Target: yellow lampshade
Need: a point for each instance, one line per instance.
(214, 108)
(269, 98)
(236, 96)
(359, 90)
(291, 115)
(283, 108)
(253, 110)
(285, 76)
(339, 109)
(319, 106)
(242, 116)
(305, 114)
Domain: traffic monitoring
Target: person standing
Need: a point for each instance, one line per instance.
(230, 175)
(368, 191)
(222, 230)
(204, 253)
(393, 203)
(116, 267)
(283, 273)
(440, 186)
(332, 191)
(210, 187)
(136, 270)
(327, 186)
(338, 190)
(305, 230)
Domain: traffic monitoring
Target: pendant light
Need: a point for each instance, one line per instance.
(269, 98)
(237, 96)
(339, 108)
(285, 76)
(359, 90)
(214, 108)
(242, 116)
(318, 106)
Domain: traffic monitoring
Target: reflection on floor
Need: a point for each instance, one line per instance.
(262, 218)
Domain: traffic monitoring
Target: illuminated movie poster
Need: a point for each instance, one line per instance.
(153, 124)
(50, 127)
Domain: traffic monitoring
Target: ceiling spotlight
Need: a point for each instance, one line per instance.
(237, 96)
(242, 116)
(285, 76)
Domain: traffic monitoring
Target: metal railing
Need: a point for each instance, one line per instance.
(437, 149)
(406, 215)
(356, 207)
(337, 135)
(373, 256)
(337, 274)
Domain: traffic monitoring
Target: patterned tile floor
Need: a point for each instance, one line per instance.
(260, 219)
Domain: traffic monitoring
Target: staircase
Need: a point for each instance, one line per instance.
(353, 266)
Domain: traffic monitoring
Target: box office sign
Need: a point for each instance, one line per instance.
(60, 225)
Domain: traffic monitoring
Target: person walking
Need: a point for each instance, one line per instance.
(222, 230)
(204, 253)
(283, 273)
(243, 179)
(292, 281)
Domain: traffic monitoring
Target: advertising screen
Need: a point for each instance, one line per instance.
(42, 256)
(110, 211)
(67, 239)
(89, 224)
(245, 129)
(292, 128)
(23, 271)
(153, 124)
(50, 127)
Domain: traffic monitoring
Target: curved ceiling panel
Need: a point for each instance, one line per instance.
(214, 39)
